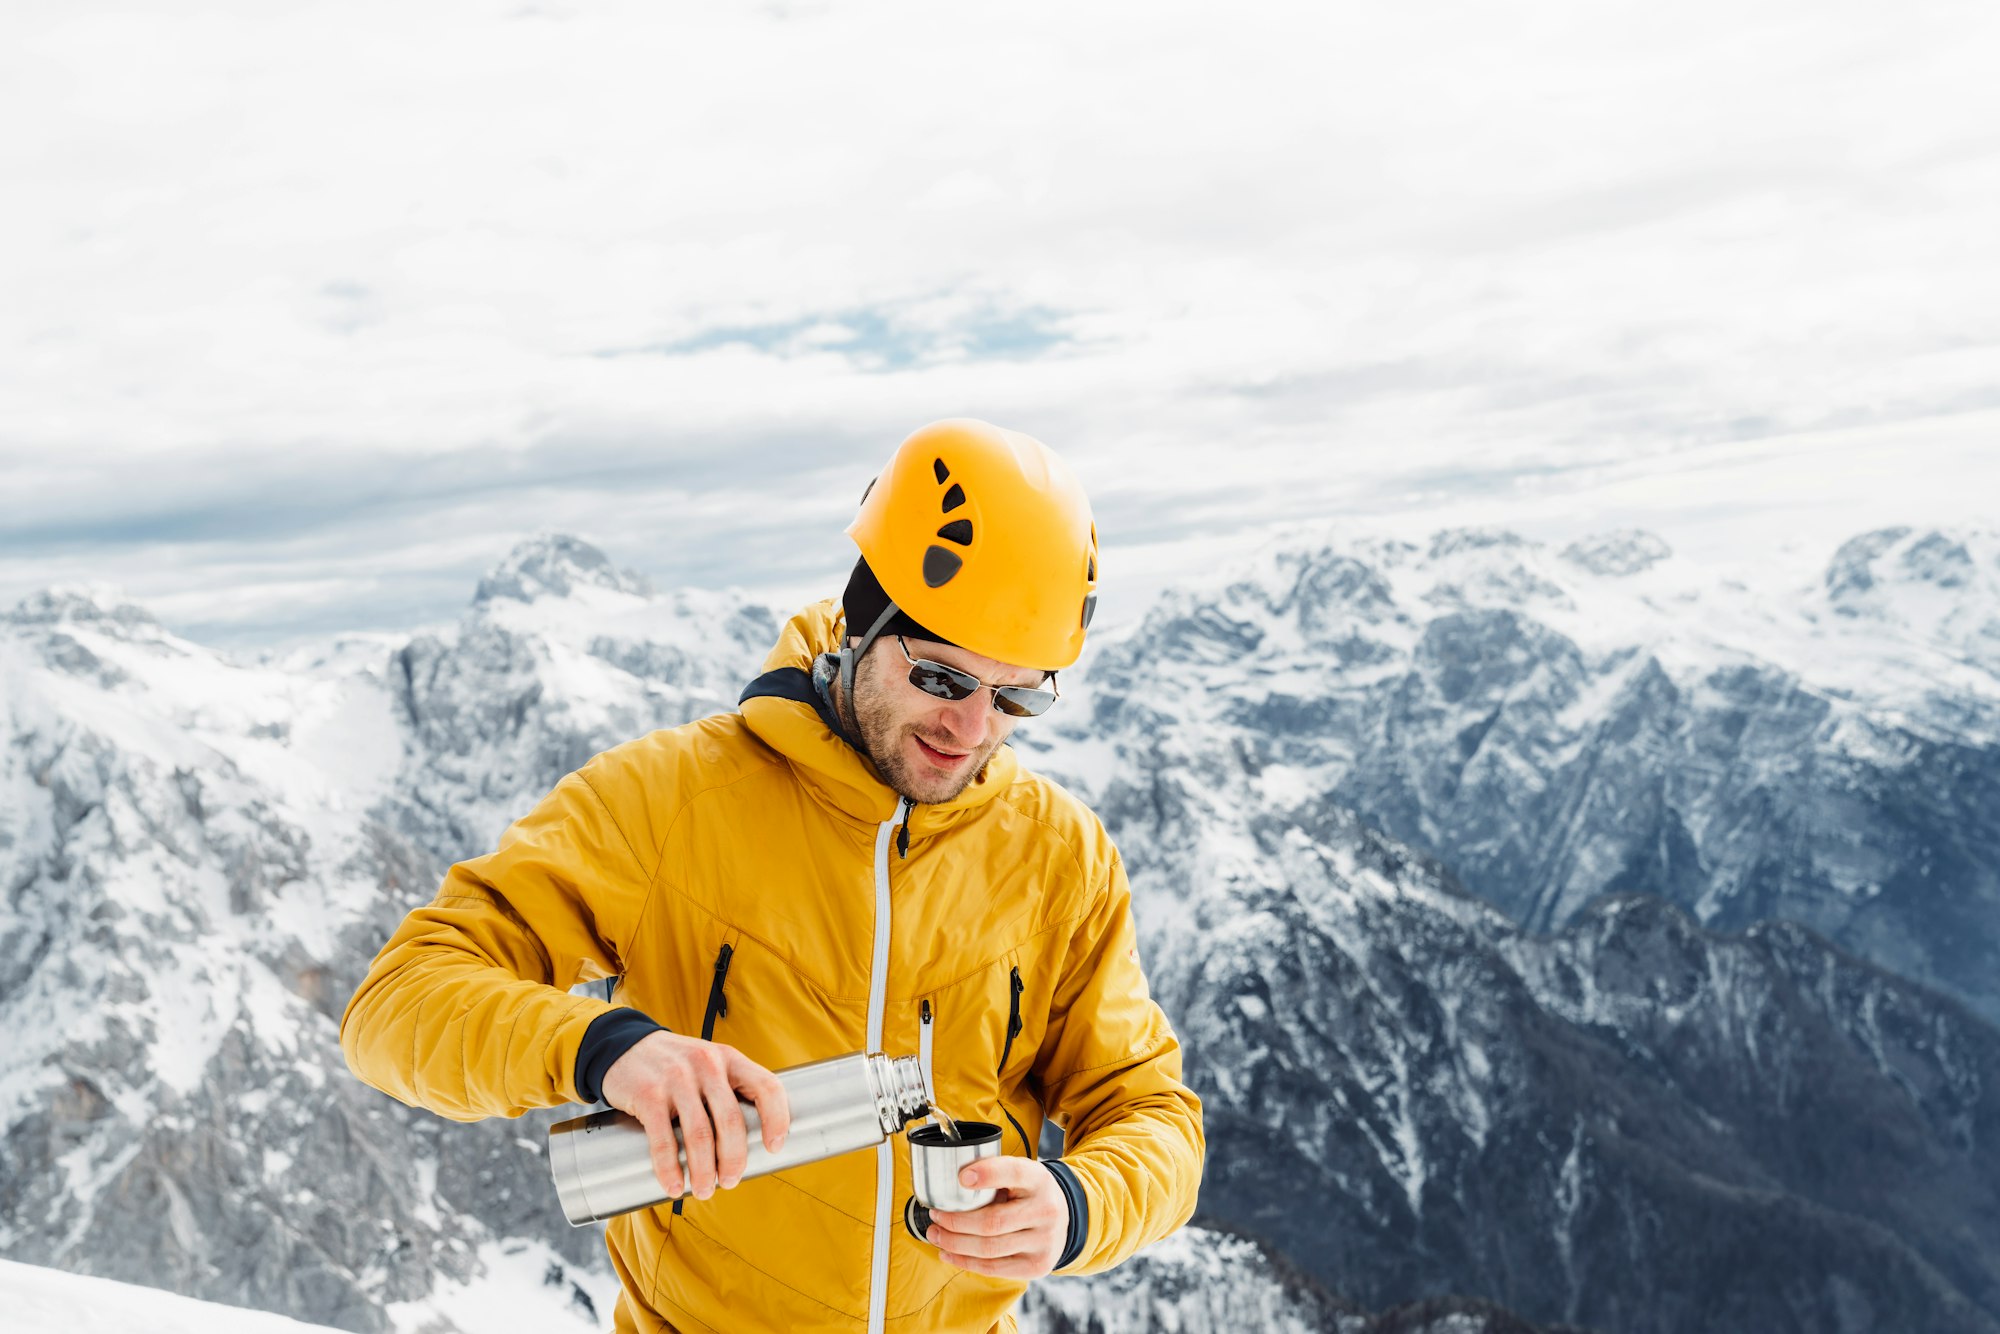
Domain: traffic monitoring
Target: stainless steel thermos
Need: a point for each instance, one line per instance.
(603, 1165)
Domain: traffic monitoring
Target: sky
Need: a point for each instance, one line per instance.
(309, 312)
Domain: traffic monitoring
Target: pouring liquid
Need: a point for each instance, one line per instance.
(947, 1125)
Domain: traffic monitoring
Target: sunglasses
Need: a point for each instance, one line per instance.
(934, 678)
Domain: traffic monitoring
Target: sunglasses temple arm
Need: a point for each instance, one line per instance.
(850, 656)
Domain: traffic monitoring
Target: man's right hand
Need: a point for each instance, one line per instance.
(664, 1078)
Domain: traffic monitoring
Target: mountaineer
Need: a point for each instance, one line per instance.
(854, 860)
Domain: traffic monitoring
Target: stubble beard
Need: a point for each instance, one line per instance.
(882, 741)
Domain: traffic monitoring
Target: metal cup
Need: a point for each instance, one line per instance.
(934, 1166)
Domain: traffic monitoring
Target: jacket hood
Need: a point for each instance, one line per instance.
(838, 773)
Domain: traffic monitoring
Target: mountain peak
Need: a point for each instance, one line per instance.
(555, 565)
(98, 606)
(1451, 541)
(1617, 553)
(1908, 557)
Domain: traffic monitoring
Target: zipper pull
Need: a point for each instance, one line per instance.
(903, 833)
(1014, 1004)
(718, 999)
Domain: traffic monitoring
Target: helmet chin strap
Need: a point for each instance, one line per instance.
(849, 656)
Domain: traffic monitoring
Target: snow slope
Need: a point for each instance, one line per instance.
(40, 1300)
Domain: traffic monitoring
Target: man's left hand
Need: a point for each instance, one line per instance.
(1019, 1235)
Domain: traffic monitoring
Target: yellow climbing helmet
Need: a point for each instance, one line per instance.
(985, 537)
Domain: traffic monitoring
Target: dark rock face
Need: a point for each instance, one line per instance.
(1635, 1125)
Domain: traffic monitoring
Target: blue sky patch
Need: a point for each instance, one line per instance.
(886, 338)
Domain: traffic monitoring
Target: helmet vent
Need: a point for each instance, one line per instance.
(940, 565)
(1090, 570)
(959, 531)
(943, 473)
(954, 498)
(1089, 609)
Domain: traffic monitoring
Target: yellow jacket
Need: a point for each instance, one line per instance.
(762, 832)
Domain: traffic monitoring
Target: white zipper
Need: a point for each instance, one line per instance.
(927, 1014)
(885, 1152)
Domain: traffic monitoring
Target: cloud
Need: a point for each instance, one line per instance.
(292, 304)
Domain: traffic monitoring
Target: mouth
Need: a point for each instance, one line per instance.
(943, 759)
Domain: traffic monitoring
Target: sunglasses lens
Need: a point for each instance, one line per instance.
(1023, 701)
(934, 678)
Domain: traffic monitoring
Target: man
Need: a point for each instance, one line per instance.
(855, 860)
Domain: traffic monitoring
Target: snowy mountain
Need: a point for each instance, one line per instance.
(197, 869)
(1557, 725)
(1408, 1094)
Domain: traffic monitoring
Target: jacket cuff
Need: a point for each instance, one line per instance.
(609, 1036)
(1079, 1210)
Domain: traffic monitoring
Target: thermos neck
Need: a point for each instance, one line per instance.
(901, 1096)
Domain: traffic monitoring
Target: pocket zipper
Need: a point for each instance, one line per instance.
(1014, 989)
(718, 1008)
(927, 1021)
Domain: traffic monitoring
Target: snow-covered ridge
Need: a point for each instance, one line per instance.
(1555, 725)
(1901, 618)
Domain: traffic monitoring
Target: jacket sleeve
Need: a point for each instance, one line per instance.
(1110, 1071)
(467, 1010)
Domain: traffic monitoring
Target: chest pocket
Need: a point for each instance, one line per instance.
(717, 1008)
(929, 1010)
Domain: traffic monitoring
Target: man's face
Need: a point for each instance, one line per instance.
(924, 747)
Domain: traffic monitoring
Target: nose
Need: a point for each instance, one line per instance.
(969, 718)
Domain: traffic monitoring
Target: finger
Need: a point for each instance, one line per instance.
(767, 1094)
(1018, 1266)
(665, 1157)
(996, 1219)
(666, 1152)
(699, 1137)
(983, 1248)
(726, 1115)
